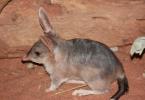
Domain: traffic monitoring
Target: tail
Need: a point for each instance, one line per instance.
(122, 88)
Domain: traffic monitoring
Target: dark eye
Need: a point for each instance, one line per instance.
(37, 53)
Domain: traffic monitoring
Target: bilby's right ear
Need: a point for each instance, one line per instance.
(44, 22)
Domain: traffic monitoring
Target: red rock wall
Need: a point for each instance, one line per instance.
(114, 22)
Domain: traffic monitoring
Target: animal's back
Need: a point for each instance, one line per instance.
(89, 52)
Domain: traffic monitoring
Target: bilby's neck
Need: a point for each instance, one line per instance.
(49, 68)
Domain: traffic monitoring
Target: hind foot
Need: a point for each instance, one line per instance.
(82, 92)
(75, 81)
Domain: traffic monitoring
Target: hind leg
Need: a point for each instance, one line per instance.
(75, 81)
(96, 87)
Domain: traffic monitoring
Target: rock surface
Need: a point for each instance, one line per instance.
(111, 22)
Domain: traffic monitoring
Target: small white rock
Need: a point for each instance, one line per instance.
(114, 49)
(143, 75)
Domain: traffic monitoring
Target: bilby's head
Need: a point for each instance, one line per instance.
(42, 51)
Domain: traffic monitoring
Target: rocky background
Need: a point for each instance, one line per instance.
(113, 22)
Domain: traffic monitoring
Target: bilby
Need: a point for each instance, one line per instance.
(82, 60)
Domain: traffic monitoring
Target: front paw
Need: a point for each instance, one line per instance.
(51, 88)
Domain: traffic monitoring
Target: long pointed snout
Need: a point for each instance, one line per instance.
(25, 59)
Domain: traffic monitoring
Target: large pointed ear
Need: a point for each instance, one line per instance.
(44, 22)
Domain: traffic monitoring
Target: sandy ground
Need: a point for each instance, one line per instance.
(17, 82)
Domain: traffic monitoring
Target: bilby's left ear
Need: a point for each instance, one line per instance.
(45, 24)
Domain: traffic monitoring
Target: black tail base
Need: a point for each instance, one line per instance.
(122, 88)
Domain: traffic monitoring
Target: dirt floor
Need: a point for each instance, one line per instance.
(17, 82)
